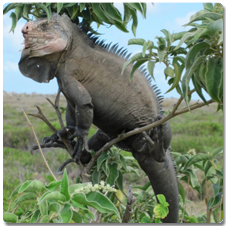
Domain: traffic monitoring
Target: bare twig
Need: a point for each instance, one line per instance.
(46, 163)
(56, 107)
(41, 116)
(129, 210)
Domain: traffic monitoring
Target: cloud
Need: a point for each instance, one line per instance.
(9, 66)
(180, 21)
(15, 39)
(177, 24)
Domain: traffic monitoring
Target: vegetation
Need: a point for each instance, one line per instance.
(193, 56)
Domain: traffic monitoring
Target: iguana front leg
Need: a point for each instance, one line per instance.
(79, 111)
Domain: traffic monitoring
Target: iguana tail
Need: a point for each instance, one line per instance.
(163, 181)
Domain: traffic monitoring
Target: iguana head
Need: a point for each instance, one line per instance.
(44, 41)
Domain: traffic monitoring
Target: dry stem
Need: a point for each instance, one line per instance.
(46, 163)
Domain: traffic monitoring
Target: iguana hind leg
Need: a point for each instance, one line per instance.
(162, 181)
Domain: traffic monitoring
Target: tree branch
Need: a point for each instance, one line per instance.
(129, 209)
(46, 163)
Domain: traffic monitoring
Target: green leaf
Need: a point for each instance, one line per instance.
(161, 44)
(33, 186)
(120, 181)
(101, 159)
(59, 7)
(137, 7)
(35, 216)
(19, 11)
(136, 41)
(82, 6)
(45, 219)
(186, 36)
(14, 21)
(45, 9)
(73, 187)
(178, 69)
(135, 22)
(160, 211)
(145, 220)
(76, 217)
(208, 6)
(26, 10)
(216, 26)
(214, 201)
(43, 206)
(169, 72)
(161, 55)
(217, 151)
(199, 33)
(195, 159)
(66, 213)
(216, 189)
(97, 201)
(123, 162)
(15, 191)
(207, 166)
(24, 185)
(144, 9)
(69, 4)
(161, 199)
(54, 196)
(64, 186)
(25, 197)
(9, 7)
(48, 4)
(10, 217)
(55, 207)
(135, 66)
(196, 49)
(203, 14)
(127, 15)
(187, 76)
(121, 26)
(112, 11)
(99, 12)
(96, 177)
(198, 87)
(113, 174)
(89, 214)
(214, 77)
(169, 37)
(134, 58)
(53, 185)
(151, 66)
(193, 178)
(182, 192)
(178, 36)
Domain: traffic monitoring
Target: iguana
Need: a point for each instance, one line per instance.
(88, 73)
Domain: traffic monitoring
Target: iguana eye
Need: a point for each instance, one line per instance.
(44, 25)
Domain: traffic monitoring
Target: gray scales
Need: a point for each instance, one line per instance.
(88, 73)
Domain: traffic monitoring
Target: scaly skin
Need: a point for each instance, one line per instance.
(90, 78)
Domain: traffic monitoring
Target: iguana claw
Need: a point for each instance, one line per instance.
(81, 141)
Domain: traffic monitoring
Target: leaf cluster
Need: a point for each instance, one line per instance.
(187, 167)
(100, 13)
(57, 202)
(193, 56)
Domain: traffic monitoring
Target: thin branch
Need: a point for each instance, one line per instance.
(145, 128)
(46, 163)
(56, 107)
(41, 116)
(129, 209)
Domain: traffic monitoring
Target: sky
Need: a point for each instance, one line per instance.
(170, 16)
